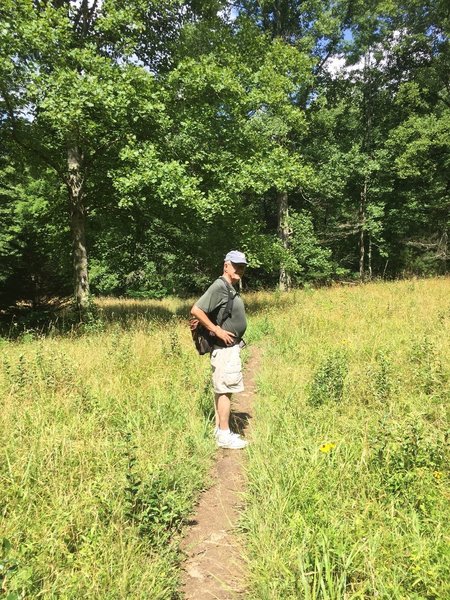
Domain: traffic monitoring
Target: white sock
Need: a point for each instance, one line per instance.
(223, 432)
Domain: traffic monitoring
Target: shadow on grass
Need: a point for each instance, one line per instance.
(257, 302)
(60, 319)
(239, 421)
(20, 321)
(125, 311)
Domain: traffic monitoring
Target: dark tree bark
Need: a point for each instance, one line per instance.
(362, 229)
(75, 185)
(283, 234)
(367, 147)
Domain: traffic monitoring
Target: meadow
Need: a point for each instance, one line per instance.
(106, 444)
(349, 466)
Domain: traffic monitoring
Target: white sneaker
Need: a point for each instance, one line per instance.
(216, 433)
(230, 440)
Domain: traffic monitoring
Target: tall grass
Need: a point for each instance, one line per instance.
(105, 445)
(349, 466)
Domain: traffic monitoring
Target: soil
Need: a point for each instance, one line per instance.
(214, 567)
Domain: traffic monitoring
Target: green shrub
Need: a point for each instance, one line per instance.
(381, 376)
(328, 381)
(429, 373)
(407, 457)
(159, 505)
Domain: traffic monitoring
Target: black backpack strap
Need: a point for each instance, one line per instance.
(229, 306)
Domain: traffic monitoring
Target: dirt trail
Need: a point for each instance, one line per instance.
(214, 568)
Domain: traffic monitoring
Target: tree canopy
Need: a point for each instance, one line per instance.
(141, 140)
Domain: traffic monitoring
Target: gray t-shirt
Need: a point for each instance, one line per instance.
(214, 302)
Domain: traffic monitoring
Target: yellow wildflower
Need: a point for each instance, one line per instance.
(327, 447)
(437, 474)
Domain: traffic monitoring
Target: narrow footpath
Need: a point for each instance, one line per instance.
(214, 567)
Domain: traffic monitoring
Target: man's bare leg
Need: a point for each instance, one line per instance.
(224, 437)
(223, 410)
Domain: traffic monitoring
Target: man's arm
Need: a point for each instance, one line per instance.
(225, 336)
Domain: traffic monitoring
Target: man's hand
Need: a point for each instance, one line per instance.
(226, 337)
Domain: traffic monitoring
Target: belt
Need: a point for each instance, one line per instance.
(238, 341)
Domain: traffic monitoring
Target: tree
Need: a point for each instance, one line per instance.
(363, 199)
(314, 31)
(71, 90)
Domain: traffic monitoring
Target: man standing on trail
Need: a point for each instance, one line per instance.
(225, 355)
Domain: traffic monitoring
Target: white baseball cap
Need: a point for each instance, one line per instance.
(237, 257)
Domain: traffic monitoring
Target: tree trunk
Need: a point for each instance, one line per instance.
(444, 250)
(283, 234)
(362, 228)
(78, 228)
(369, 257)
(367, 149)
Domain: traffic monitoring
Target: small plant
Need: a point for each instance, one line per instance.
(206, 401)
(162, 503)
(20, 375)
(406, 455)
(328, 381)
(7, 370)
(8, 565)
(382, 377)
(16, 580)
(159, 505)
(174, 343)
(133, 481)
(430, 373)
(171, 345)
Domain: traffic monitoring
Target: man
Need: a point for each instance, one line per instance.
(225, 355)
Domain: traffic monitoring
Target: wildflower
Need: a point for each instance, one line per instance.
(327, 447)
(437, 474)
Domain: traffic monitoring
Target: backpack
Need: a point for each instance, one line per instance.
(203, 339)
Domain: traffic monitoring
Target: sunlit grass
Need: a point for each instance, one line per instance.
(348, 469)
(106, 442)
(105, 445)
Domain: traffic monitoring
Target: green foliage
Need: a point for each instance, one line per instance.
(313, 262)
(191, 118)
(409, 457)
(350, 499)
(430, 374)
(103, 280)
(148, 176)
(382, 377)
(63, 425)
(328, 381)
(159, 505)
(8, 567)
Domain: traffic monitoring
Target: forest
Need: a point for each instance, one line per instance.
(140, 140)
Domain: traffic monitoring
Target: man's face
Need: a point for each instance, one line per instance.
(234, 270)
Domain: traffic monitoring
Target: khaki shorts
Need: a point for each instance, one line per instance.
(227, 370)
